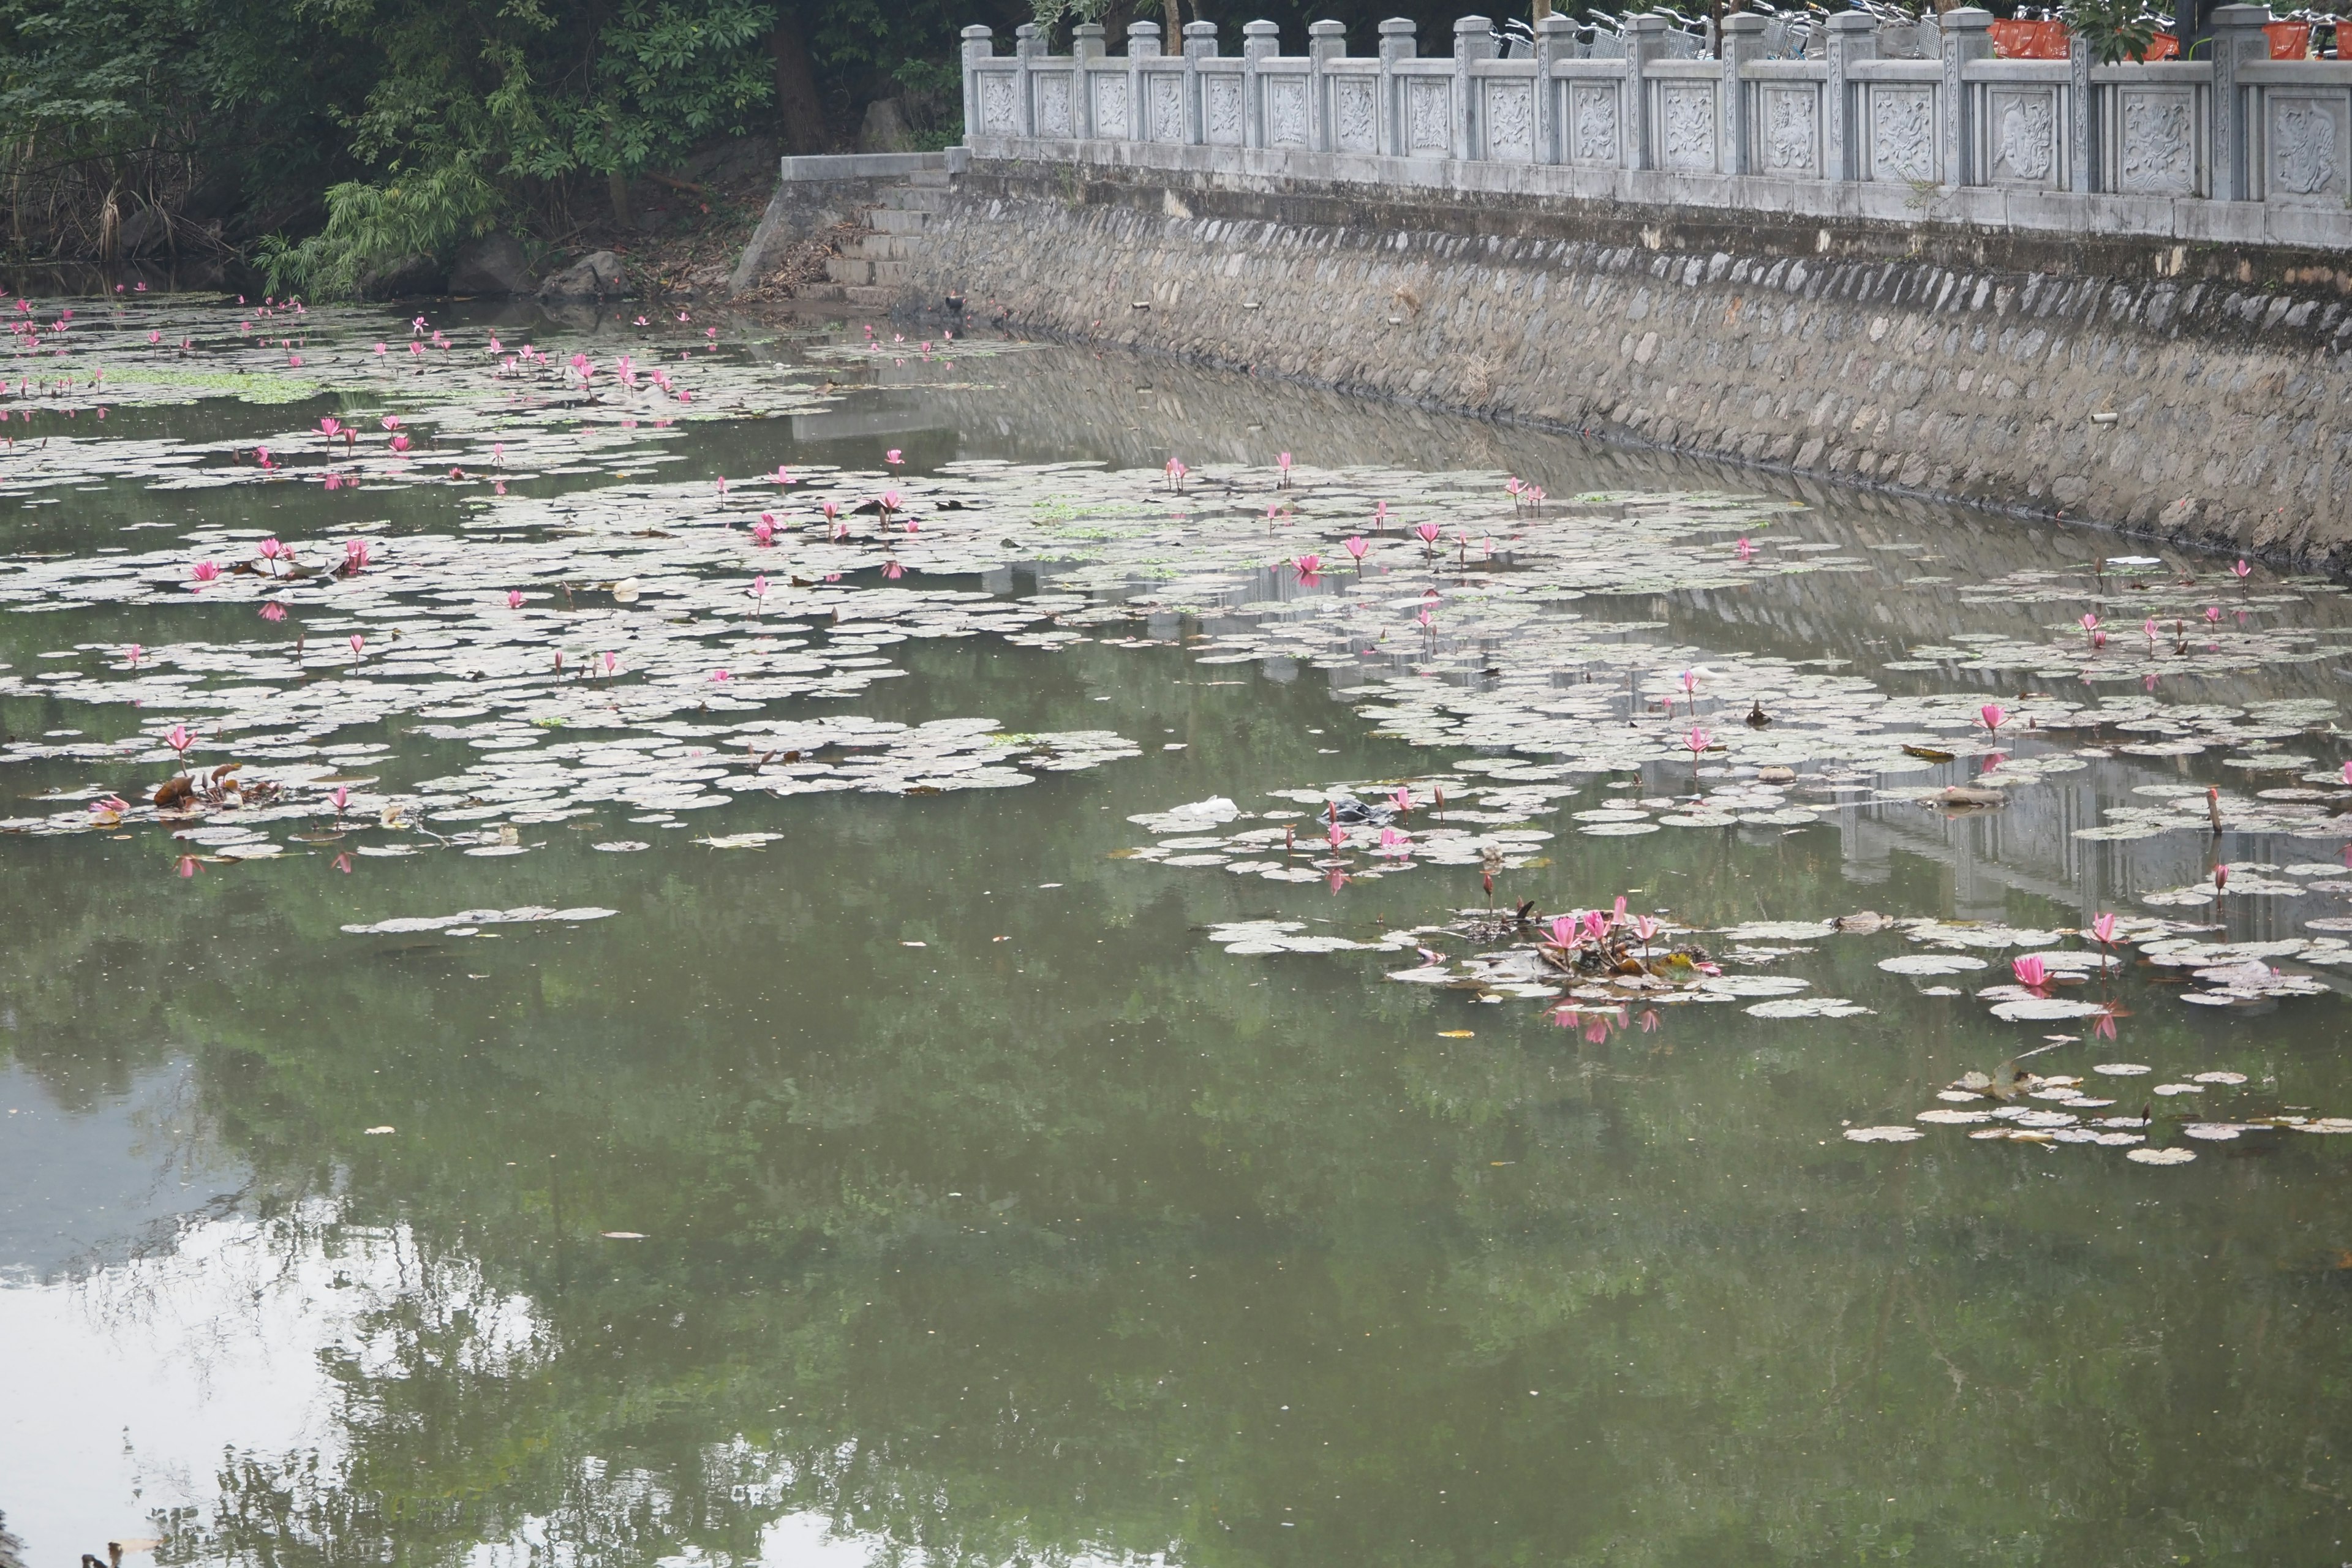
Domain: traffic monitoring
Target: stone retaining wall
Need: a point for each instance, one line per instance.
(2167, 394)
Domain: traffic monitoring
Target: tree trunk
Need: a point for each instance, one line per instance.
(619, 184)
(798, 111)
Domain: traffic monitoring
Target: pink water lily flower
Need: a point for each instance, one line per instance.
(1356, 547)
(400, 443)
(273, 611)
(2241, 569)
(2103, 930)
(1428, 532)
(1745, 550)
(894, 457)
(1393, 842)
(358, 643)
(1697, 741)
(514, 598)
(205, 571)
(1308, 564)
(178, 738)
(1563, 931)
(1992, 713)
(2030, 972)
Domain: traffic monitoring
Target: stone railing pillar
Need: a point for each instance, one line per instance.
(1742, 40)
(1142, 44)
(1854, 38)
(1200, 44)
(1967, 38)
(979, 44)
(1474, 39)
(1399, 41)
(2082, 118)
(1028, 47)
(1260, 40)
(1085, 49)
(2238, 40)
(1326, 40)
(1555, 40)
(1645, 41)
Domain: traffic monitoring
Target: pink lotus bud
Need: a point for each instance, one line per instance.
(1992, 713)
(514, 598)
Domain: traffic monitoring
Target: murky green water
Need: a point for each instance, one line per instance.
(704, 1153)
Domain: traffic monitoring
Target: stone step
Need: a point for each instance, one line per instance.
(902, 199)
(870, 297)
(898, 220)
(894, 273)
(848, 269)
(884, 246)
(937, 179)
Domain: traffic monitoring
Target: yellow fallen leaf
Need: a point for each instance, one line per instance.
(1457, 1034)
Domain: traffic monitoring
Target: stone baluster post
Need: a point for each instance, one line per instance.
(1142, 44)
(1260, 40)
(2082, 128)
(1645, 41)
(1555, 40)
(1854, 38)
(1967, 39)
(1399, 41)
(1028, 47)
(1742, 40)
(979, 44)
(1085, 49)
(1326, 40)
(2238, 40)
(1474, 39)
(1200, 44)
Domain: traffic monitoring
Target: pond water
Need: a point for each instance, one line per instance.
(891, 1065)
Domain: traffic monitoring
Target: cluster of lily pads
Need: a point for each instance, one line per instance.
(1989, 1106)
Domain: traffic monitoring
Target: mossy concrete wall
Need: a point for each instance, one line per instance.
(2202, 394)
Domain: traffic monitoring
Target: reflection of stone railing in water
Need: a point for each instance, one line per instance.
(1136, 413)
(2236, 148)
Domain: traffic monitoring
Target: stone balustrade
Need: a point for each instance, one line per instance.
(2237, 149)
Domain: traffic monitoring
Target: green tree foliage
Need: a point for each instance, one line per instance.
(2117, 30)
(351, 132)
